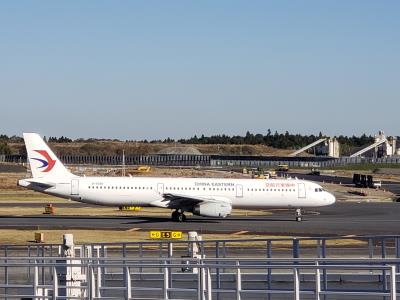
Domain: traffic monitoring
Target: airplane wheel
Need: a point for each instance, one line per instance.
(174, 216)
(181, 217)
(299, 217)
(178, 216)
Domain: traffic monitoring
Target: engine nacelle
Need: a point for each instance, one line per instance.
(212, 209)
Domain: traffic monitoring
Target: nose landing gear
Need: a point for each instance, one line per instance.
(299, 217)
(178, 216)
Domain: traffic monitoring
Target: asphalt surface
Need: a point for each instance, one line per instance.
(343, 218)
(339, 219)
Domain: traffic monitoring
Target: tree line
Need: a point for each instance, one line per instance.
(276, 140)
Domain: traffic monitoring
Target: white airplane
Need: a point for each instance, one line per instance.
(208, 197)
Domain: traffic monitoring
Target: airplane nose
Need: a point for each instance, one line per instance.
(331, 199)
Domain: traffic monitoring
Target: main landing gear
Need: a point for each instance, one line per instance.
(178, 216)
(299, 217)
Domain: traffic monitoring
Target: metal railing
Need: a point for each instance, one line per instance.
(170, 278)
(295, 263)
(386, 246)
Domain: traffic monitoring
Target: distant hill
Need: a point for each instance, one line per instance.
(132, 148)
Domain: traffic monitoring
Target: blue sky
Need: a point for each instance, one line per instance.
(157, 69)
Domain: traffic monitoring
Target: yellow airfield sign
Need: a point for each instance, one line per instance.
(165, 234)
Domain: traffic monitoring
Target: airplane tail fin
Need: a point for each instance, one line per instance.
(44, 163)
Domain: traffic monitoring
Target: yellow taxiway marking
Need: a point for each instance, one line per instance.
(133, 229)
(240, 232)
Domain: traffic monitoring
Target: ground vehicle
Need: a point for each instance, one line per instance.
(271, 174)
(283, 167)
(315, 171)
(377, 184)
(364, 181)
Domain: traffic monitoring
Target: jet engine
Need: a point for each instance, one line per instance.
(212, 209)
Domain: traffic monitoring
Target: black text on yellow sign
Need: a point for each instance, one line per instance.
(165, 234)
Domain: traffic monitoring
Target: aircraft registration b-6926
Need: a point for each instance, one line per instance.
(207, 197)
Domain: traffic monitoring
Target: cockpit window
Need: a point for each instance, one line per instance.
(319, 190)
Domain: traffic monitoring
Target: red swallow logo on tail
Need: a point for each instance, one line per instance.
(47, 162)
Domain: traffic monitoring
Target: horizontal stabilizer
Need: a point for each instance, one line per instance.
(35, 185)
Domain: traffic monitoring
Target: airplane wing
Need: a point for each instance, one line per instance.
(176, 201)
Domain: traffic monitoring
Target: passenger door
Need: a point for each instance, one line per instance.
(301, 190)
(239, 191)
(74, 186)
(160, 188)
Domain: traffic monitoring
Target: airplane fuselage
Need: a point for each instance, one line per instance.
(149, 191)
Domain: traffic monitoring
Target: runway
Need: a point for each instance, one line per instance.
(339, 219)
